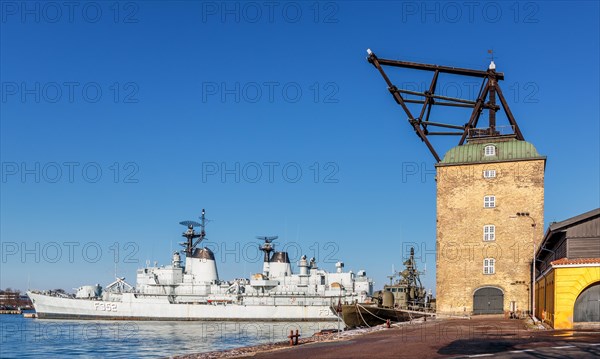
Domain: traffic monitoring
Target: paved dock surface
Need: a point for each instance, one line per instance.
(454, 338)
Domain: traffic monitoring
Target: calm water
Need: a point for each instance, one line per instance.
(33, 338)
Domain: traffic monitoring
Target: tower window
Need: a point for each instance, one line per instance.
(489, 232)
(489, 201)
(489, 173)
(490, 150)
(489, 266)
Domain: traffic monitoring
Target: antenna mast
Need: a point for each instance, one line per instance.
(193, 238)
(267, 247)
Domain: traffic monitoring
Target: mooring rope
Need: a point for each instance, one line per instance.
(361, 317)
(385, 320)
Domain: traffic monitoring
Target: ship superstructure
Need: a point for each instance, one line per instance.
(407, 291)
(192, 290)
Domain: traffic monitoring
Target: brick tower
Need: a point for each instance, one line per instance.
(490, 194)
(484, 248)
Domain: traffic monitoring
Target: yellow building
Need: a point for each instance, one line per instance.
(484, 250)
(568, 273)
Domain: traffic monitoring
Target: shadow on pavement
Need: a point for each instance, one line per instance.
(471, 347)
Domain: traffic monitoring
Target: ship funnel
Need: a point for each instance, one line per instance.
(280, 265)
(202, 266)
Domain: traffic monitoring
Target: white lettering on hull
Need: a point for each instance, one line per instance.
(105, 307)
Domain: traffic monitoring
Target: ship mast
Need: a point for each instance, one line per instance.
(267, 247)
(193, 238)
(413, 281)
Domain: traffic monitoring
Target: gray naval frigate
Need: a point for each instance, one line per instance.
(192, 290)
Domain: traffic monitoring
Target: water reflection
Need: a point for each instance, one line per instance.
(32, 338)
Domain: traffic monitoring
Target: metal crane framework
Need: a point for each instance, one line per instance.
(486, 100)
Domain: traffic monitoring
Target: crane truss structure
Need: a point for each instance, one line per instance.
(486, 100)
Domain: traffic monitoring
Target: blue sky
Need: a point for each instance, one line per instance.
(120, 119)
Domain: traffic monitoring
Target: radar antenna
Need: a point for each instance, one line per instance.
(267, 247)
(193, 238)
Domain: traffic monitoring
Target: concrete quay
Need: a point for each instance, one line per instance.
(481, 336)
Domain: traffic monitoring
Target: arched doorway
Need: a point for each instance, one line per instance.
(587, 305)
(488, 300)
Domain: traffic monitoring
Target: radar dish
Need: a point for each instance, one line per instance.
(190, 223)
(267, 239)
(267, 247)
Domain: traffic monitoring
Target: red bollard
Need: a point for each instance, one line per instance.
(388, 323)
(293, 338)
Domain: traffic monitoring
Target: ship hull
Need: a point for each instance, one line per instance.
(159, 308)
(357, 315)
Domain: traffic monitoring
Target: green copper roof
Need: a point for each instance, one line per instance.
(506, 150)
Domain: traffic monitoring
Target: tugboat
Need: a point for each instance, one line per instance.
(402, 300)
(192, 290)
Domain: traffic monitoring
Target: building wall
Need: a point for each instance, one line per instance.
(518, 187)
(588, 229)
(569, 283)
(583, 248)
(545, 298)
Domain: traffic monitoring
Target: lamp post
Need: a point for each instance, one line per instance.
(338, 310)
(533, 225)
